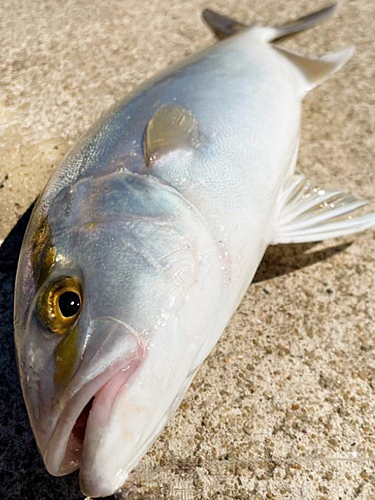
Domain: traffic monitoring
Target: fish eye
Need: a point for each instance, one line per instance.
(69, 304)
(60, 304)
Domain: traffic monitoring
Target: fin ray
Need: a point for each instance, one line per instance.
(313, 214)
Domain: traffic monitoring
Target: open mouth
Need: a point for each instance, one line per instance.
(74, 448)
(88, 412)
(79, 429)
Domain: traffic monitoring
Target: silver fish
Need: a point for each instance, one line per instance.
(147, 236)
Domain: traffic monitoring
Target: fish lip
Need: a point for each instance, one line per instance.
(56, 455)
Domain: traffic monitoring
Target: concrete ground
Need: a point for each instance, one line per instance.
(283, 408)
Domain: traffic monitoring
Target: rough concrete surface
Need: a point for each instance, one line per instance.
(283, 408)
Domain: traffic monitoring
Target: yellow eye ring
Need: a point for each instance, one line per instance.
(60, 304)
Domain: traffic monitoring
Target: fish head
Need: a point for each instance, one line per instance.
(72, 337)
(106, 325)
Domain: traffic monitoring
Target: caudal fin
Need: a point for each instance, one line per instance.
(313, 70)
(224, 27)
(303, 23)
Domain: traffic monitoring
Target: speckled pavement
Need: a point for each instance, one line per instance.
(283, 408)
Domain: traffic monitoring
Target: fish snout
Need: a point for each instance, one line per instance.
(111, 339)
(112, 352)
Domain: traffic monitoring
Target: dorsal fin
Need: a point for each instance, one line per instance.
(172, 127)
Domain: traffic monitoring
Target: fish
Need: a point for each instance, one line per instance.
(147, 236)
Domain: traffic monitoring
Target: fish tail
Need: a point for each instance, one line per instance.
(313, 70)
(224, 27)
(302, 24)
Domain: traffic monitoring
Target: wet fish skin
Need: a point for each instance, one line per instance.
(162, 212)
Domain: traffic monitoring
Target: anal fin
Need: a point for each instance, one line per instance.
(316, 70)
(313, 214)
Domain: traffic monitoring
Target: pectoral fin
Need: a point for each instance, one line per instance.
(310, 213)
(172, 127)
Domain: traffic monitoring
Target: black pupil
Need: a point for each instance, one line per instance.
(69, 303)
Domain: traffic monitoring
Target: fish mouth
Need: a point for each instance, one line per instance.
(90, 407)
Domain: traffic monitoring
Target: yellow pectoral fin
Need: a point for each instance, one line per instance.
(172, 127)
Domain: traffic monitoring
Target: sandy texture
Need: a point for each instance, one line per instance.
(283, 408)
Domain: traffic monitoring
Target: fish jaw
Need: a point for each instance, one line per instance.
(141, 411)
(93, 402)
(138, 416)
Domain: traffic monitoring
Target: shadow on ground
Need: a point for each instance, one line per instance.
(284, 259)
(22, 473)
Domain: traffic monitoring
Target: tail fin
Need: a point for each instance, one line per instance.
(303, 23)
(224, 27)
(314, 70)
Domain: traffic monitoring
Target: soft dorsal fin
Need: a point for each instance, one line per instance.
(172, 127)
(317, 69)
(310, 213)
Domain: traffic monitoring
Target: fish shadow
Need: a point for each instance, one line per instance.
(22, 473)
(284, 259)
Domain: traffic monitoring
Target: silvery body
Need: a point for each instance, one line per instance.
(165, 238)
